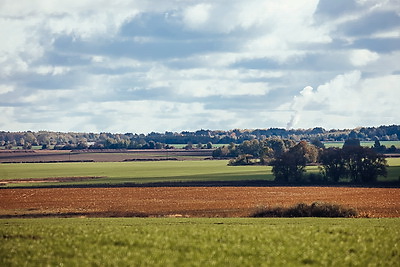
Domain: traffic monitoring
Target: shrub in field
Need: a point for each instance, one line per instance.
(316, 209)
(241, 160)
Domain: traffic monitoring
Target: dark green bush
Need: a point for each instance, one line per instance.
(316, 209)
(242, 160)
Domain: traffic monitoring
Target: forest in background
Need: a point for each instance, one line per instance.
(199, 139)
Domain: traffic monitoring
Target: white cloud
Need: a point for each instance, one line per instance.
(6, 89)
(8, 121)
(206, 88)
(137, 116)
(51, 70)
(349, 100)
(362, 57)
(204, 82)
(82, 65)
(196, 16)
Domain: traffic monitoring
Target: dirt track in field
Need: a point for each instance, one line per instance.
(188, 201)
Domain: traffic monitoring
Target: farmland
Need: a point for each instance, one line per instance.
(132, 172)
(119, 173)
(199, 242)
(26, 156)
(172, 225)
(231, 201)
(157, 189)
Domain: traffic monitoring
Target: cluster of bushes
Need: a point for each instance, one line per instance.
(316, 209)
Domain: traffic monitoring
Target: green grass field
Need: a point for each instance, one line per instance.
(137, 172)
(199, 242)
(146, 172)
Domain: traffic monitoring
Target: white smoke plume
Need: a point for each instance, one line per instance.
(342, 97)
(298, 104)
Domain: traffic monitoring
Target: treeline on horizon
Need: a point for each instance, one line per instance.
(200, 138)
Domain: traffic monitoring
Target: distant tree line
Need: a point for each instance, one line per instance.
(200, 138)
(352, 163)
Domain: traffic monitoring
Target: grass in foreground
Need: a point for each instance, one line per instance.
(199, 242)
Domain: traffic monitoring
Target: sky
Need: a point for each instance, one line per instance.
(174, 65)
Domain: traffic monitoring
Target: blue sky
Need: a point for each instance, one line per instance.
(143, 66)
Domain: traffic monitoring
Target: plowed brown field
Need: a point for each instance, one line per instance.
(112, 155)
(188, 201)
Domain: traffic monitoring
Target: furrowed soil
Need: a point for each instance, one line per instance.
(188, 201)
(111, 155)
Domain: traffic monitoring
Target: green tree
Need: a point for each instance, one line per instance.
(352, 142)
(29, 137)
(229, 151)
(27, 145)
(290, 166)
(317, 143)
(358, 164)
(277, 145)
(333, 164)
(189, 146)
(159, 145)
(209, 145)
(363, 164)
(378, 147)
(252, 147)
(152, 145)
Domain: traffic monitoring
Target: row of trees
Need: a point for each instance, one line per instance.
(261, 151)
(237, 136)
(352, 163)
(71, 141)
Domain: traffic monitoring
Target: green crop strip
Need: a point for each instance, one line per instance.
(199, 242)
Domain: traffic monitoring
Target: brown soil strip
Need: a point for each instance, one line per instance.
(47, 156)
(48, 180)
(188, 201)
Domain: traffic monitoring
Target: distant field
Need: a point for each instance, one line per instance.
(199, 242)
(145, 172)
(136, 172)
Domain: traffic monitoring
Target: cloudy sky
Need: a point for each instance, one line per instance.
(173, 65)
